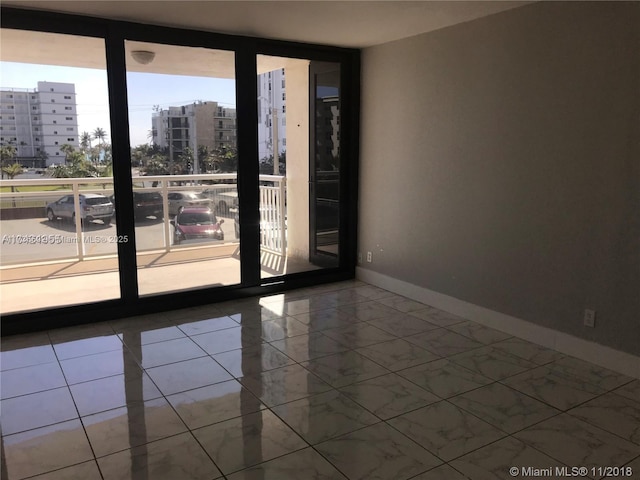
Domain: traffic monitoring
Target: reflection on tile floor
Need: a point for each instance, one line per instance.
(338, 381)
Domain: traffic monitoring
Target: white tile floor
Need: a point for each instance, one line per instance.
(338, 381)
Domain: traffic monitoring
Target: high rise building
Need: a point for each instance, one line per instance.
(39, 121)
(194, 125)
(272, 99)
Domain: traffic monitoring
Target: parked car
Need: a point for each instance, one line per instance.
(145, 204)
(196, 224)
(223, 198)
(92, 207)
(178, 200)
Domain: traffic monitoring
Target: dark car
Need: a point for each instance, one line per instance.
(145, 204)
(196, 224)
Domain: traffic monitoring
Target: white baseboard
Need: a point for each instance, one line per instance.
(604, 356)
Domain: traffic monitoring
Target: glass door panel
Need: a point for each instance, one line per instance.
(59, 243)
(182, 121)
(298, 107)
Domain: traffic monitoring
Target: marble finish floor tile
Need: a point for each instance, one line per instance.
(310, 304)
(397, 354)
(446, 430)
(248, 440)
(113, 392)
(325, 319)
(528, 351)
(389, 395)
(437, 317)
(215, 403)
(28, 356)
(36, 410)
(478, 332)
(631, 390)
(207, 325)
(358, 335)
(280, 328)
(32, 379)
(369, 310)
(87, 346)
(372, 293)
(401, 303)
(344, 368)
(306, 347)
(227, 339)
(45, 449)
(495, 461)
(99, 365)
(389, 454)
(598, 376)
(131, 426)
(444, 378)
(323, 416)
(82, 471)
(613, 413)
(283, 385)
(253, 359)
(443, 472)
(304, 464)
(177, 457)
(187, 375)
(402, 325)
(554, 386)
(135, 336)
(443, 342)
(504, 408)
(492, 363)
(169, 351)
(574, 442)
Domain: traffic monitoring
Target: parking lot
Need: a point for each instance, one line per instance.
(38, 239)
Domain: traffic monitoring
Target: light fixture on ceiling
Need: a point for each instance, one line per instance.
(143, 57)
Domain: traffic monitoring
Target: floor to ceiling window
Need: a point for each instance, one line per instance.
(58, 237)
(182, 128)
(139, 161)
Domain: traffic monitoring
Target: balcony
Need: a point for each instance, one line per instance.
(74, 260)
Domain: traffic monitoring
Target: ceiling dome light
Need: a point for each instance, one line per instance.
(143, 57)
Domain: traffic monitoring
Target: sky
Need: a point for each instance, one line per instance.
(144, 90)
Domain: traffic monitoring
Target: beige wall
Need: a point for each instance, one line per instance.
(500, 164)
(297, 75)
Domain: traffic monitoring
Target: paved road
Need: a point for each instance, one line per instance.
(37, 239)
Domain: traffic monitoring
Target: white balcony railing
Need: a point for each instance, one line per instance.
(27, 204)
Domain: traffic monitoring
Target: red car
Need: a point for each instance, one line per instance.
(196, 224)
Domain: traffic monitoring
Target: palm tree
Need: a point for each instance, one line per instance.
(99, 134)
(7, 154)
(85, 141)
(12, 171)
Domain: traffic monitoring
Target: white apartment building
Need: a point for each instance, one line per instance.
(38, 121)
(272, 99)
(199, 124)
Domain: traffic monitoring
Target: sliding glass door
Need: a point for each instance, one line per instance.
(182, 129)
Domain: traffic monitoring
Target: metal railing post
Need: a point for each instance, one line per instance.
(165, 208)
(76, 209)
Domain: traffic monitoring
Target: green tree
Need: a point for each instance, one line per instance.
(12, 171)
(76, 165)
(85, 142)
(100, 135)
(7, 154)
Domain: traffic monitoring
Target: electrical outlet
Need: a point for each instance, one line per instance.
(369, 257)
(589, 318)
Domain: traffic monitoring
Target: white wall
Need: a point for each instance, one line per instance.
(500, 165)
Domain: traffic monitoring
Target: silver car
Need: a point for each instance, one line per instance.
(92, 207)
(180, 200)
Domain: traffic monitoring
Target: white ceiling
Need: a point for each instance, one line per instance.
(356, 24)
